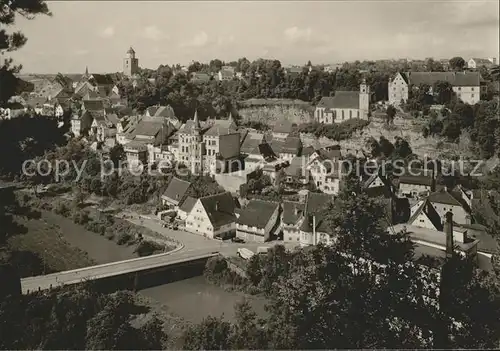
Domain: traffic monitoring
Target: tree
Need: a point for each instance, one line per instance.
(390, 114)
(117, 154)
(248, 332)
(211, 334)
(12, 41)
(443, 92)
(457, 63)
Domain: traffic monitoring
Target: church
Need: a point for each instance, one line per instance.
(344, 105)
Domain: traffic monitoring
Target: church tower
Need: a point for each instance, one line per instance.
(364, 100)
(130, 63)
(196, 148)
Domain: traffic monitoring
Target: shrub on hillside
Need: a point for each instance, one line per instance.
(125, 238)
(81, 217)
(336, 132)
(62, 209)
(147, 248)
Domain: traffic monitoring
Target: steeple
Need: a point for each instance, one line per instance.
(86, 71)
(230, 117)
(196, 120)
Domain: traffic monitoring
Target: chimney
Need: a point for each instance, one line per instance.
(315, 241)
(448, 230)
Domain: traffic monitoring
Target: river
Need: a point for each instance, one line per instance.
(192, 298)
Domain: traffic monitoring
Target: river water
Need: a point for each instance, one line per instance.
(192, 298)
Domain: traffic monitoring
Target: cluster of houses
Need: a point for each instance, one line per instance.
(302, 222)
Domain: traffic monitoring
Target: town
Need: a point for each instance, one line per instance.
(333, 191)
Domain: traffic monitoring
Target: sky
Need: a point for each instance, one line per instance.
(97, 34)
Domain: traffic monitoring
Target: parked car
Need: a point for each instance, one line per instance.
(237, 240)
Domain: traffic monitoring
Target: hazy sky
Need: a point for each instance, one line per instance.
(98, 33)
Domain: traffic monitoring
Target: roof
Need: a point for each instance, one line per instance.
(35, 101)
(164, 111)
(176, 190)
(251, 141)
(148, 127)
(188, 127)
(102, 79)
(433, 236)
(200, 76)
(342, 99)
(315, 202)
(416, 180)
(444, 197)
(482, 61)
(292, 145)
(307, 224)
(295, 168)
(454, 78)
(292, 212)
(220, 208)
(427, 208)
(130, 51)
(221, 127)
(265, 150)
(188, 204)
(93, 105)
(257, 213)
(227, 72)
(283, 126)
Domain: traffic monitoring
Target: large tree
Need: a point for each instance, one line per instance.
(11, 41)
(457, 63)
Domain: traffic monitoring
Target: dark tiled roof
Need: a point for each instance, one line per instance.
(265, 150)
(430, 212)
(444, 197)
(416, 180)
(257, 213)
(251, 142)
(228, 149)
(283, 126)
(176, 191)
(307, 224)
(308, 151)
(93, 105)
(454, 78)
(292, 212)
(102, 79)
(197, 76)
(220, 208)
(315, 202)
(221, 127)
(292, 145)
(295, 168)
(342, 99)
(188, 204)
(164, 111)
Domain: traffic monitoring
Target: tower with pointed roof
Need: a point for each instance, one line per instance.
(364, 99)
(197, 146)
(130, 63)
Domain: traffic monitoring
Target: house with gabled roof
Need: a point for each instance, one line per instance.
(444, 201)
(325, 173)
(291, 216)
(313, 229)
(282, 129)
(296, 173)
(466, 85)
(415, 185)
(213, 216)
(257, 220)
(344, 105)
(176, 192)
(477, 62)
(186, 207)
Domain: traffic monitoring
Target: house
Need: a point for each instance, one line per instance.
(466, 85)
(424, 215)
(294, 72)
(176, 193)
(313, 228)
(226, 73)
(185, 207)
(209, 148)
(378, 185)
(445, 201)
(250, 142)
(213, 216)
(199, 77)
(290, 148)
(325, 172)
(257, 220)
(344, 105)
(475, 63)
(297, 174)
(291, 217)
(412, 186)
(282, 129)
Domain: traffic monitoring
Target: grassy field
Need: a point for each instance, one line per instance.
(46, 240)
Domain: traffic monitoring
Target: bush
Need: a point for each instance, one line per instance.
(336, 132)
(62, 209)
(147, 248)
(81, 217)
(125, 238)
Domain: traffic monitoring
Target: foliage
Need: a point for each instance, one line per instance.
(75, 319)
(340, 131)
(211, 334)
(9, 42)
(390, 114)
(147, 248)
(457, 63)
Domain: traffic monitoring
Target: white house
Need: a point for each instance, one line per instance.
(326, 174)
(412, 186)
(466, 85)
(475, 62)
(290, 220)
(213, 216)
(257, 220)
(344, 105)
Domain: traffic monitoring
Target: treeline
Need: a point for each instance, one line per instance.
(262, 79)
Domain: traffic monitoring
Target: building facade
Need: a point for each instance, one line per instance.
(130, 63)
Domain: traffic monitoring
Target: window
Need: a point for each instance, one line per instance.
(472, 95)
(471, 89)
(459, 88)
